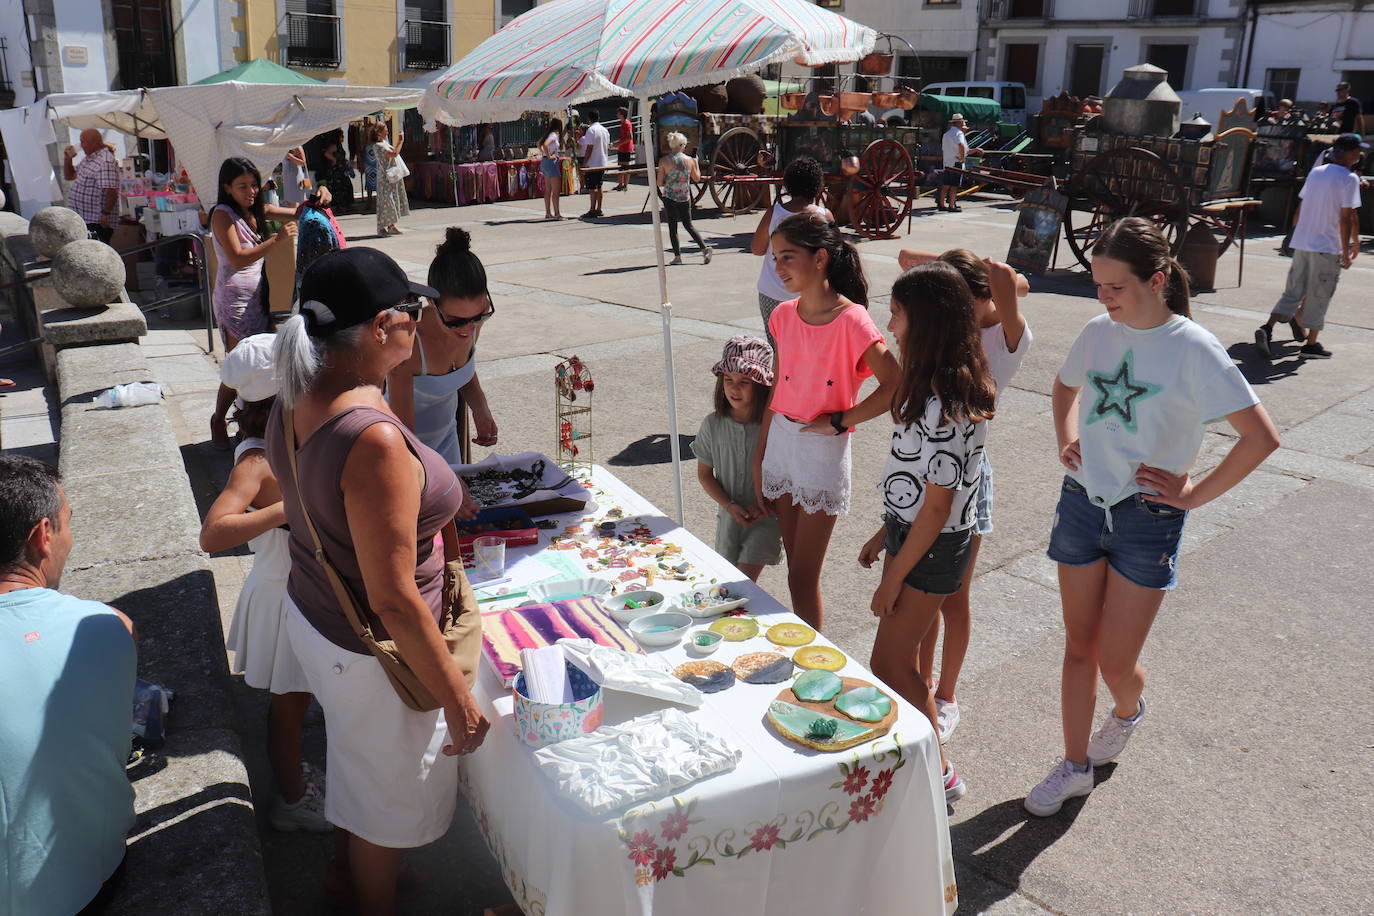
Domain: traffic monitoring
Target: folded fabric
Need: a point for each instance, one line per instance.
(646, 757)
(616, 669)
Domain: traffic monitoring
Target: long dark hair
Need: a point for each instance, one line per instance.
(760, 403)
(555, 126)
(814, 232)
(455, 270)
(941, 352)
(1139, 244)
(230, 170)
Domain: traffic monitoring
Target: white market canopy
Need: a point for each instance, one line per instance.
(208, 123)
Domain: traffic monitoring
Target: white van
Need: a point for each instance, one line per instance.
(1210, 103)
(1011, 96)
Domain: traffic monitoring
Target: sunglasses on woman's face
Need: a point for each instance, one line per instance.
(455, 323)
(409, 307)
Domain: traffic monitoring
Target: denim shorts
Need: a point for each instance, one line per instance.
(982, 523)
(1140, 541)
(941, 571)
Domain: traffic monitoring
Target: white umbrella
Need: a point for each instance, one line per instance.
(571, 51)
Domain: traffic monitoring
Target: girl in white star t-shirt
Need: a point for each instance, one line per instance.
(1132, 399)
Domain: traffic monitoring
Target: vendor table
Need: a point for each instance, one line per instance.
(788, 832)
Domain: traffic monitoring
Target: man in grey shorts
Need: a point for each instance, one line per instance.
(1325, 242)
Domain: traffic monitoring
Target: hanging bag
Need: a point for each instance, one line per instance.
(460, 623)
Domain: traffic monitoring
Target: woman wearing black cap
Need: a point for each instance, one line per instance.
(377, 497)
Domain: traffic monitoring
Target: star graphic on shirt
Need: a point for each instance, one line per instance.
(1118, 393)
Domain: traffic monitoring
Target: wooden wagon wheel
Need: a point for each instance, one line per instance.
(737, 156)
(1119, 183)
(881, 194)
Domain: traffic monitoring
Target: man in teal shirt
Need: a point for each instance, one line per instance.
(67, 679)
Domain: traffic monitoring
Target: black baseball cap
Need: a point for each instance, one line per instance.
(1346, 142)
(353, 285)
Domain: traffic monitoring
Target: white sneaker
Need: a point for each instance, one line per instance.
(948, 716)
(954, 786)
(306, 814)
(1063, 783)
(1110, 740)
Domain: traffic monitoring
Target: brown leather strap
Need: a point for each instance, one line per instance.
(345, 597)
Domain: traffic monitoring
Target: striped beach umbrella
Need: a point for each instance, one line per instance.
(571, 51)
(566, 52)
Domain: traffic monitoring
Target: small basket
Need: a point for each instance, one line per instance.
(540, 724)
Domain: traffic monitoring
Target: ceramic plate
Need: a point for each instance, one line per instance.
(822, 657)
(567, 589)
(715, 610)
(791, 634)
(736, 629)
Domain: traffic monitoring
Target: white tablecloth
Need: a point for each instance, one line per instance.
(790, 831)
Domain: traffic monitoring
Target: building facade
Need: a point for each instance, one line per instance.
(944, 34)
(363, 43)
(1300, 49)
(1081, 46)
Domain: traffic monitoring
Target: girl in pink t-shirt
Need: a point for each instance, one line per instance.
(826, 346)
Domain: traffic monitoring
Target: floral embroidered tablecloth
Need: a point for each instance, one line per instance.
(789, 831)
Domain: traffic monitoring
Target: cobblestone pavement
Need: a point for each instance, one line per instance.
(1249, 790)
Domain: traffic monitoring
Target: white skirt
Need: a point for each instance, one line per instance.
(811, 468)
(257, 634)
(386, 777)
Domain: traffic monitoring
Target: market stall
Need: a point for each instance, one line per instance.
(789, 829)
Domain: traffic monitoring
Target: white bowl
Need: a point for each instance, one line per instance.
(663, 629)
(617, 609)
(568, 589)
(704, 642)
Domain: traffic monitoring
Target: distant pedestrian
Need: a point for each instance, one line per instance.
(392, 203)
(596, 157)
(624, 149)
(249, 511)
(804, 183)
(747, 534)
(295, 180)
(1131, 403)
(337, 174)
(94, 193)
(1326, 240)
(551, 168)
(1347, 112)
(954, 147)
(676, 173)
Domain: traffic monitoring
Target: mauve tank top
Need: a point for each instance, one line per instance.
(320, 462)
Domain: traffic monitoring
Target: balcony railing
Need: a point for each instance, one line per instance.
(1019, 9)
(1163, 9)
(312, 41)
(426, 44)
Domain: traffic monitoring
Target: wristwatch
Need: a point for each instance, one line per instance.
(837, 421)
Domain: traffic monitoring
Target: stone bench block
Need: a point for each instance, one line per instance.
(121, 517)
(117, 322)
(84, 372)
(129, 440)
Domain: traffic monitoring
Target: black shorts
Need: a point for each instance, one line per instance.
(941, 571)
(624, 160)
(591, 178)
(951, 178)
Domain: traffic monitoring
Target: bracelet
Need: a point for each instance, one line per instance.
(837, 421)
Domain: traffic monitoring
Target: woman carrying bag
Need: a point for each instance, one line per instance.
(385, 630)
(392, 203)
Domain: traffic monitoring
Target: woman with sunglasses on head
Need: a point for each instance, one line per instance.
(430, 390)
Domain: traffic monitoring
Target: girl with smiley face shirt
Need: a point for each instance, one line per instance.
(930, 483)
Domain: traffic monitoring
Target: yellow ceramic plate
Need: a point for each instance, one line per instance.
(736, 629)
(822, 657)
(791, 634)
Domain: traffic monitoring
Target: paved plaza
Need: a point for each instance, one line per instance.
(1249, 790)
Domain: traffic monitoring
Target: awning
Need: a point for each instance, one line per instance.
(983, 111)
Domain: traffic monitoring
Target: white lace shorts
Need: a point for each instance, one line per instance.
(811, 468)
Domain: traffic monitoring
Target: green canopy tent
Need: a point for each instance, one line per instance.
(259, 70)
(976, 110)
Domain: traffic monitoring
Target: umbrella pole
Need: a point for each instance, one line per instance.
(666, 307)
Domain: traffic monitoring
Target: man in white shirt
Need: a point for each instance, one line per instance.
(955, 149)
(1325, 242)
(596, 145)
